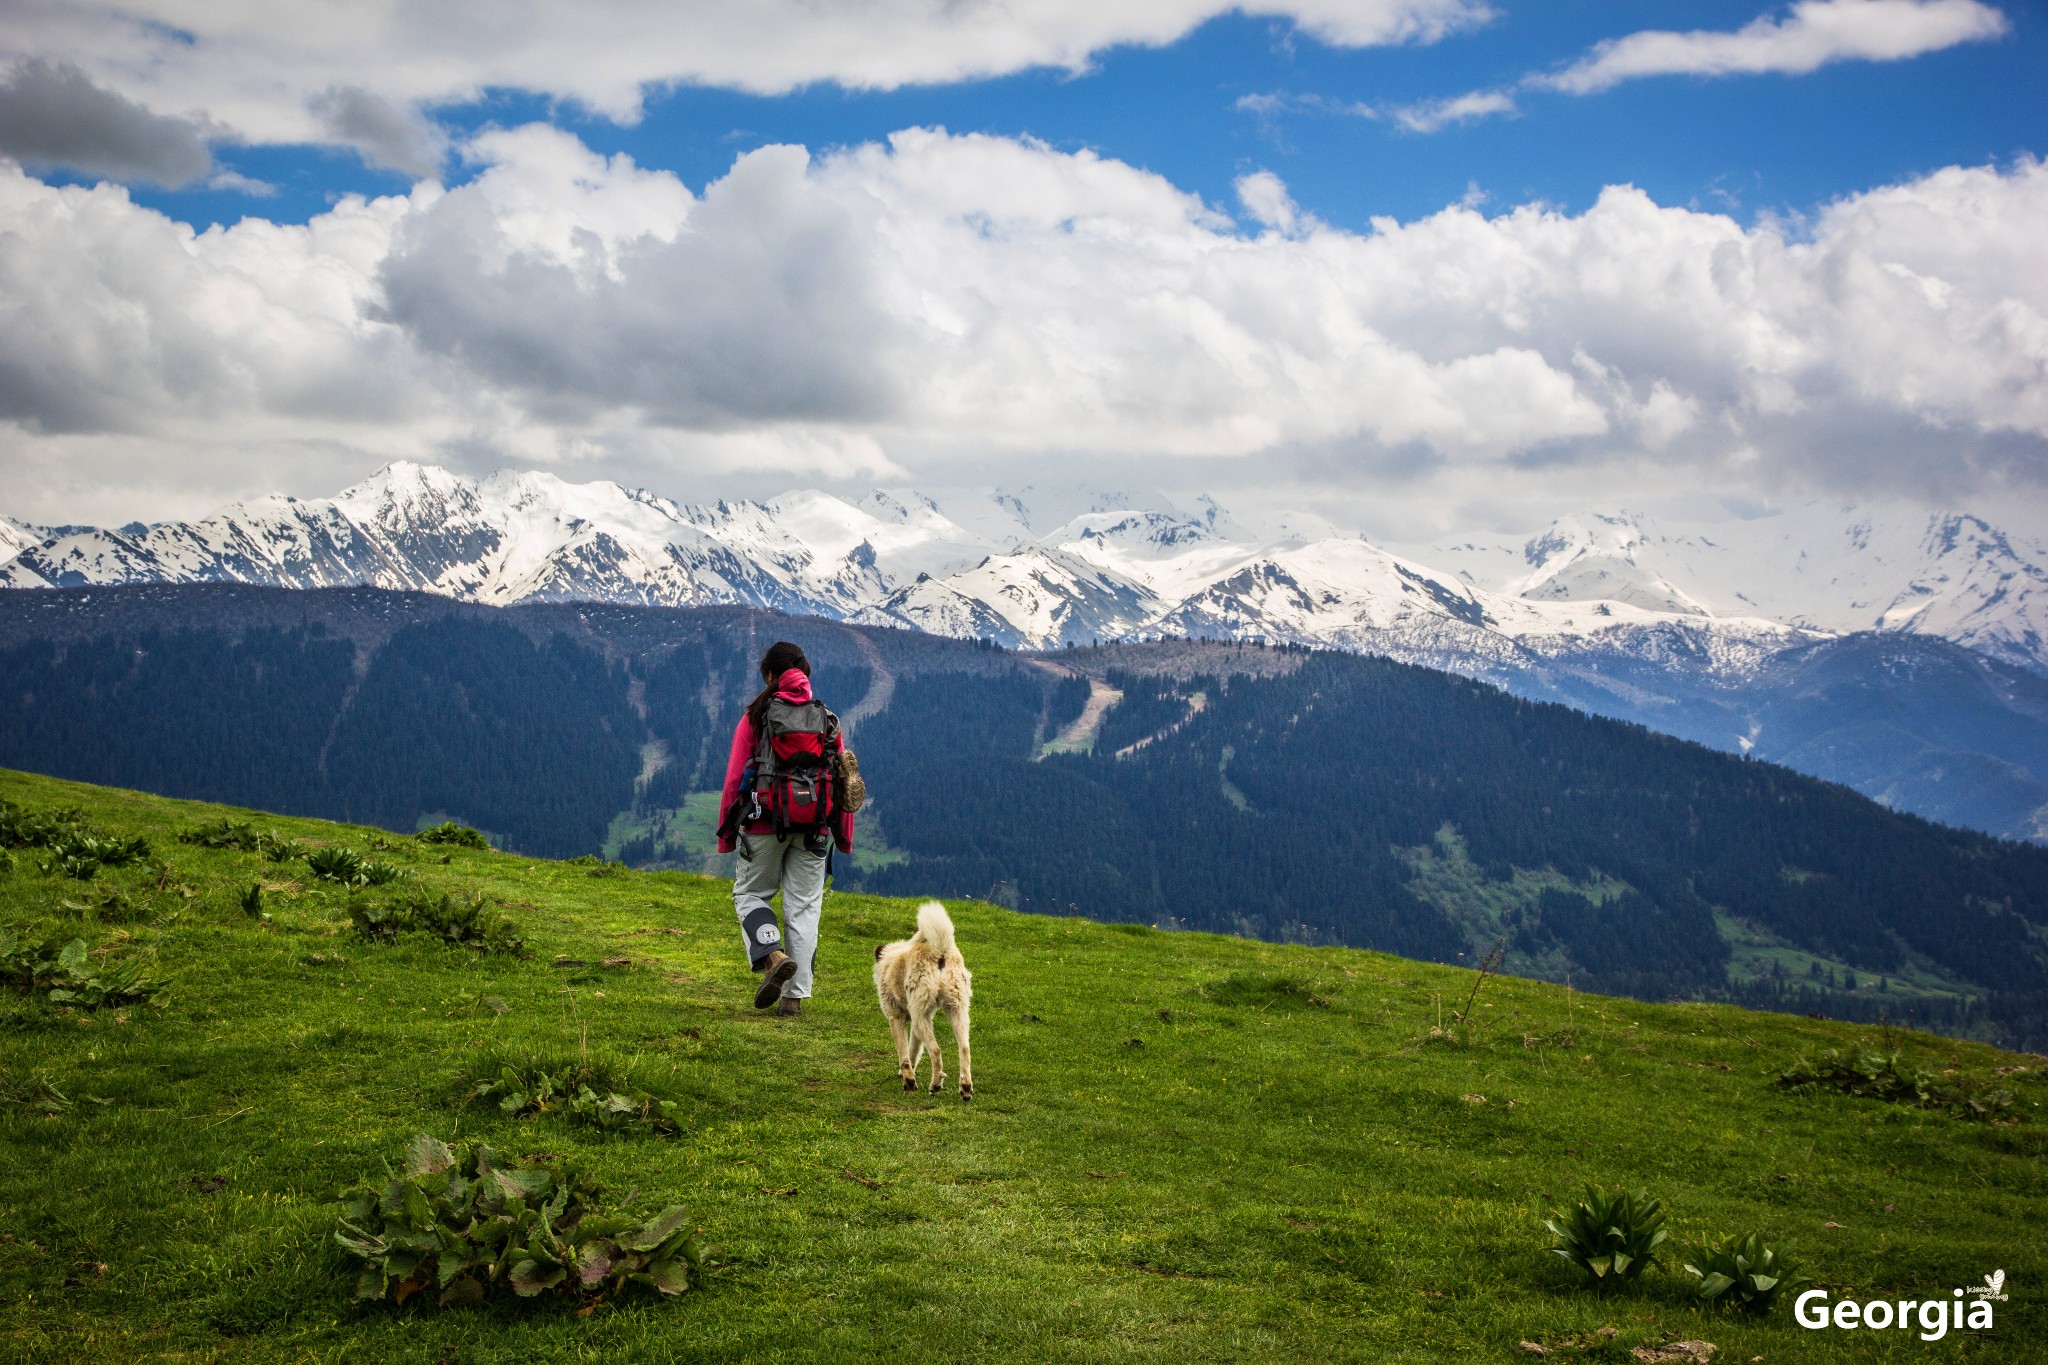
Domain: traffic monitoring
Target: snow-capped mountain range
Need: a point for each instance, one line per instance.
(1902, 652)
(1000, 567)
(1952, 575)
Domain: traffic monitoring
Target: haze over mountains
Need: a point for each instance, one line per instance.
(1898, 651)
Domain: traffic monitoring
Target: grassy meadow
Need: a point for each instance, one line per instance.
(1181, 1147)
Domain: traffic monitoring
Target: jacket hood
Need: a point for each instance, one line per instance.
(793, 686)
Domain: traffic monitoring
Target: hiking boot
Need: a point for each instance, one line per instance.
(790, 1007)
(775, 973)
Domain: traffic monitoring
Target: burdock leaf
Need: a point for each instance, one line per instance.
(670, 1277)
(604, 1225)
(594, 1262)
(531, 1277)
(453, 1262)
(357, 1242)
(530, 1181)
(658, 1230)
(426, 1155)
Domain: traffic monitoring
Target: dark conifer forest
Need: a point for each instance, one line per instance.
(1288, 795)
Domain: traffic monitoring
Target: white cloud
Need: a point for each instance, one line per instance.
(1432, 115)
(1265, 197)
(1814, 34)
(241, 184)
(1273, 103)
(1428, 116)
(360, 74)
(944, 303)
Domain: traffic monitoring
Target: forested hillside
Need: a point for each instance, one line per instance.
(1285, 795)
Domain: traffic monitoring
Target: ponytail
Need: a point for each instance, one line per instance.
(780, 658)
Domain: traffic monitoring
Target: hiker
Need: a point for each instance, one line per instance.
(783, 812)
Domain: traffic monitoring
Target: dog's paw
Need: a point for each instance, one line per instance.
(910, 1082)
(966, 1092)
(937, 1086)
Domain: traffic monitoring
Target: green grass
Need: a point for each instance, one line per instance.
(1445, 876)
(1754, 951)
(1182, 1147)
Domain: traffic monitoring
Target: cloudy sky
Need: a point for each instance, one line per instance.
(1426, 264)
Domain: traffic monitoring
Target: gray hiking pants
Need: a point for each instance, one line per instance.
(769, 861)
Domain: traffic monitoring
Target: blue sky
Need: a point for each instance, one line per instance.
(1743, 144)
(1826, 281)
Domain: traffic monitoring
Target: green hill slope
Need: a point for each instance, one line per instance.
(1181, 1146)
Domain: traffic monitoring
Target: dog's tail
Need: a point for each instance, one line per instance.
(935, 928)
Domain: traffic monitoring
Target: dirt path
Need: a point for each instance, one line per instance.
(1196, 705)
(1080, 735)
(881, 684)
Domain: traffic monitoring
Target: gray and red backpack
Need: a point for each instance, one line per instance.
(792, 778)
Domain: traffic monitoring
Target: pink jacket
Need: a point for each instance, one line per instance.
(793, 686)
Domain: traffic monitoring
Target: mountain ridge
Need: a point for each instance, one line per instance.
(1614, 612)
(1112, 571)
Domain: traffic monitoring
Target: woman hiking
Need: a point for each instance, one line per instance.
(783, 812)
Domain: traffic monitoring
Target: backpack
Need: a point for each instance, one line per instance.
(794, 768)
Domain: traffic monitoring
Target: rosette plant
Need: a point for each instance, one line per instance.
(1612, 1236)
(467, 1224)
(1742, 1272)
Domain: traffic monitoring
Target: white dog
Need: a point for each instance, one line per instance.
(915, 979)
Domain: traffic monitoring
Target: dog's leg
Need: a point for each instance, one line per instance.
(957, 1016)
(928, 1041)
(904, 1067)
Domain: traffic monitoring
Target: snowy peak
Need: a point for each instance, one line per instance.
(1882, 567)
(1153, 535)
(403, 496)
(1975, 586)
(1046, 596)
(1599, 559)
(16, 536)
(1043, 566)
